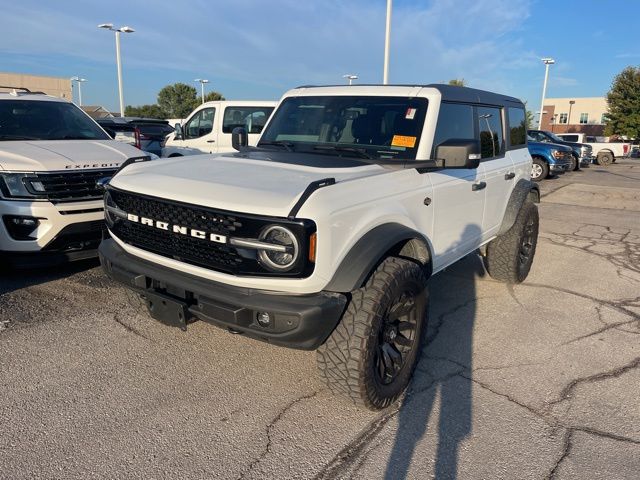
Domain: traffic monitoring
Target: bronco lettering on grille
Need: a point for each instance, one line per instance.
(182, 230)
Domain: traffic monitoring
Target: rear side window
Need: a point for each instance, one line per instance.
(569, 138)
(251, 118)
(517, 127)
(490, 128)
(455, 121)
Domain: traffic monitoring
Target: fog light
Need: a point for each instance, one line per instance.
(21, 228)
(264, 319)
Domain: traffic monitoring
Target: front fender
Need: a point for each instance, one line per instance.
(524, 189)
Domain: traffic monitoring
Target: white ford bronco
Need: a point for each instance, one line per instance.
(51, 155)
(325, 234)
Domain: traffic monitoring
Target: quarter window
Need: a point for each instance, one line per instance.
(584, 118)
(490, 128)
(200, 124)
(517, 126)
(455, 121)
(251, 118)
(563, 118)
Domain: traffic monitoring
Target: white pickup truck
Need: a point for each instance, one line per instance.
(605, 152)
(208, 128)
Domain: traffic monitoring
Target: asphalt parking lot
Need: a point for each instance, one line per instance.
(540, 380)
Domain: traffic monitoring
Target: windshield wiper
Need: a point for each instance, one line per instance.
(277, 143)
(360, 152)
(18, 137)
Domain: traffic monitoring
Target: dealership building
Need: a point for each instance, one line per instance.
(575, 115)
(56, 86)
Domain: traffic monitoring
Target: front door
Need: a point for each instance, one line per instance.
(200, 135)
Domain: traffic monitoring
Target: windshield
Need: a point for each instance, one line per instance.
(554, 137)
(359, 126)
(44, 120)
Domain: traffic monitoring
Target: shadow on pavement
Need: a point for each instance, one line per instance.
(436, 381)
(15, 279)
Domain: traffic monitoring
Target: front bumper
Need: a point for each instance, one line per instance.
(586, 161)
(560, 167)
(176, 298)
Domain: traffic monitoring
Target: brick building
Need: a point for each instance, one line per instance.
(571, 115)
(56, 86)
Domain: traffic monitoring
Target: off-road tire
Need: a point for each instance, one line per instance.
(543, 168)
(349, 361)
(510, 255)
(605, 159)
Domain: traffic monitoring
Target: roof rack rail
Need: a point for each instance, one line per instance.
(17, 88)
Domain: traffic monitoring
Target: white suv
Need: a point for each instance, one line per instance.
(51, 155)
(325, 234)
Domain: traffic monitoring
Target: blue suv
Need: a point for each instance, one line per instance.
(548, 158)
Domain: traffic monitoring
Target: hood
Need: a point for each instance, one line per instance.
(256, 183)
(55, 155)
(549, 146)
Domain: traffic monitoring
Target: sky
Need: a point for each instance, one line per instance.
(257, 49)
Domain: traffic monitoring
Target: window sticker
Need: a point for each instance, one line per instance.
(403, 141)
(411, 113)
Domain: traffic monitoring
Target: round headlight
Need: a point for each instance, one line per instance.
(279, 260)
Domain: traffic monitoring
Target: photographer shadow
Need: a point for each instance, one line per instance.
(12, 279)
(447, 353)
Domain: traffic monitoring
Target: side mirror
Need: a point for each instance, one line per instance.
(459, 153)
(239, 138)
(177, 134)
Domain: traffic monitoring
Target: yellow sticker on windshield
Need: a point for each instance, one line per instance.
(403, 141)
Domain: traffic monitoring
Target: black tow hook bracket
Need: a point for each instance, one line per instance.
(167, 310)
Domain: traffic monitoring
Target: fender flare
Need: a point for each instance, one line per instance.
(524, 189)
(372, 248)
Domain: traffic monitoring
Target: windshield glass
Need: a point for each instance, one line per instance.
(45, 120)
(359, 126)
(554, 137)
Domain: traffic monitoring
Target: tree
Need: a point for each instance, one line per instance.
(146, 111)
(528, 117)
(213, 96)
(178, 100)
(458, 82)
(623, 117)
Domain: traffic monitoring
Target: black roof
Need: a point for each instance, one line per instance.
(451, 93)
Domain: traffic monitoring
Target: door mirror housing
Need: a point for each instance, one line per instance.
(177, 133)
(457, 153)
(239, 138)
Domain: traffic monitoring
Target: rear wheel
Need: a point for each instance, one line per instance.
(371, 355)
(605, 159)
(539, 169)
(510, 255)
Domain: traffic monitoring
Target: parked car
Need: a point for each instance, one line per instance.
(51, 155)
(324, 235)
(582, 153)
(605, 152)
(549, 158)
(147, 134)
(208, 128)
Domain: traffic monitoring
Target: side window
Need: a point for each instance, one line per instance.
(200, 124)
(251, 118)
(490, 127)
(517, 127)
(455, 121)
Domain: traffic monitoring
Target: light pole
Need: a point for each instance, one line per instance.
(547, 62)
(118, 31)
(350, 77)
(79, 81)
(387, 34)
(571, 103)
(202, 82)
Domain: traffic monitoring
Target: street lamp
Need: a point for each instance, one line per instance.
(202, 82)
(118, 31)
(547, 62)
(350, 77)
(79, 81)
(387, 34)
(571, 104)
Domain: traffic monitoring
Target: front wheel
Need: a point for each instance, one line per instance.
(539, 169)
(575, 163)
(371, 355)
(510, 255)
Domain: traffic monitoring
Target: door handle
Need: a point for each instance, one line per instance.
(211, 141)
(478, 186)
(509, 176)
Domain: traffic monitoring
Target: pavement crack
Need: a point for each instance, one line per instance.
(440, 319)
(567, 391)
(267, 448)
(566, 449)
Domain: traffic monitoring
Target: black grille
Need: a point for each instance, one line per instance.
(201, 252)
(69, 186)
